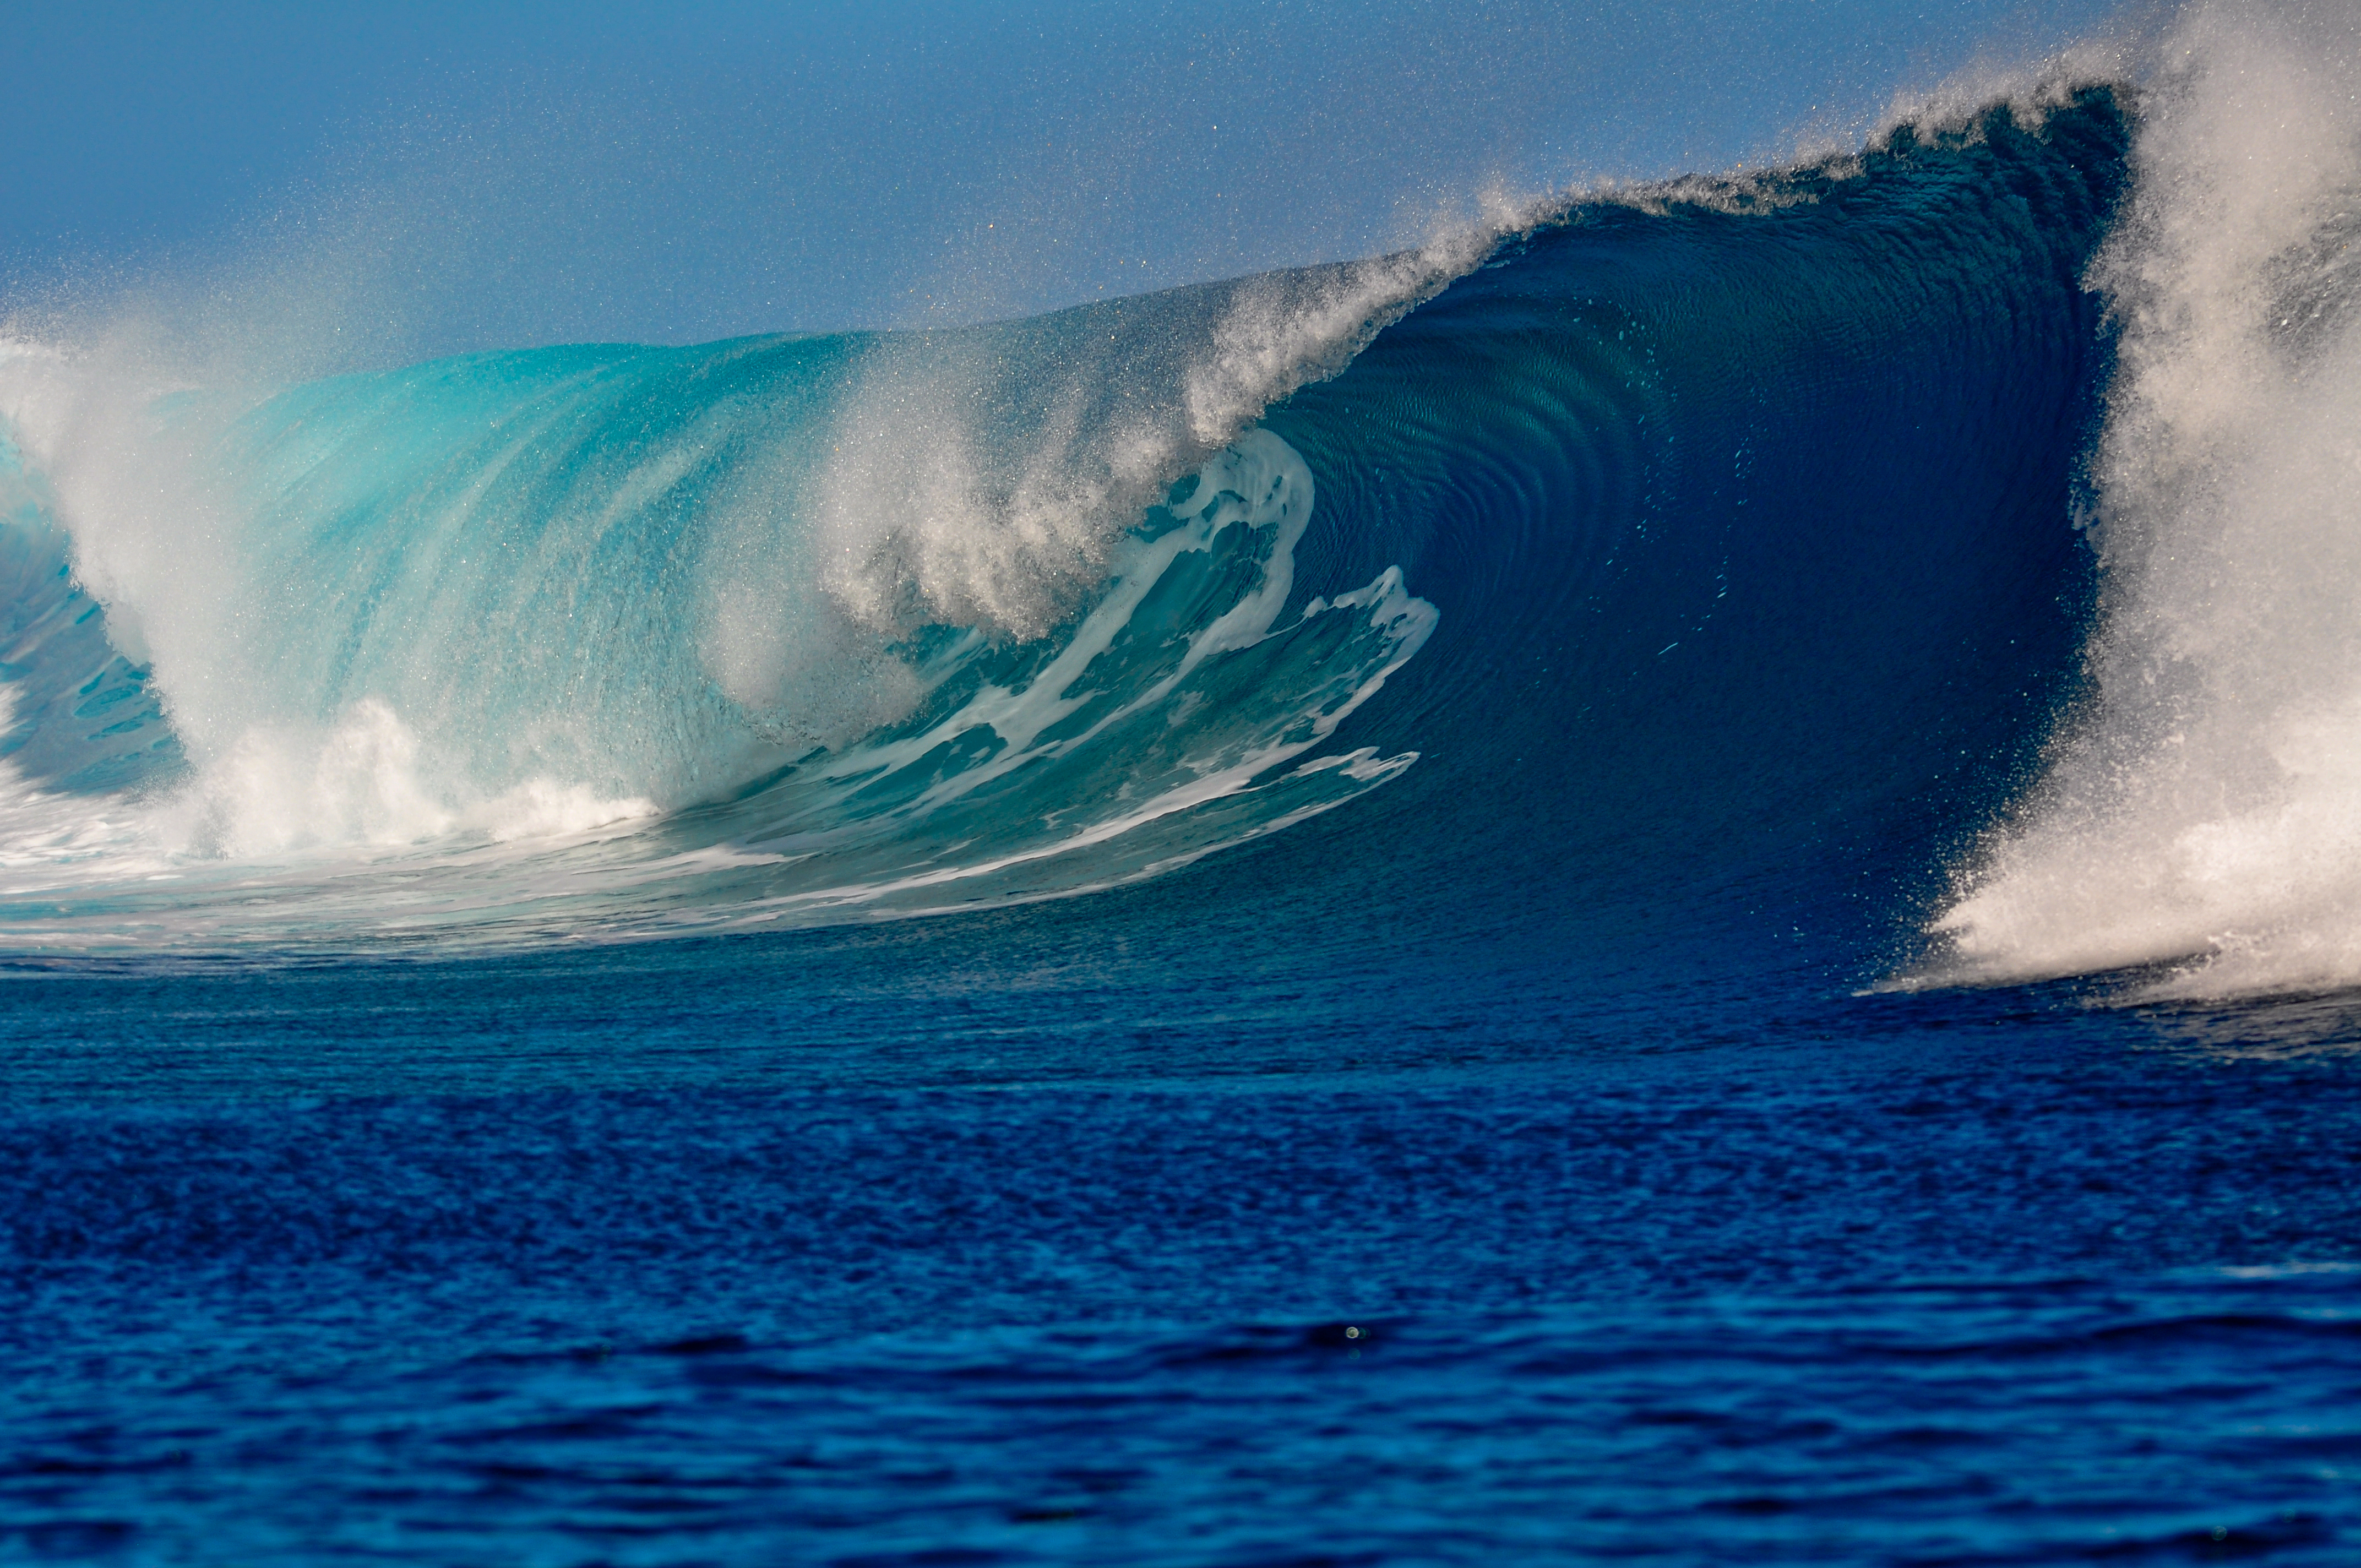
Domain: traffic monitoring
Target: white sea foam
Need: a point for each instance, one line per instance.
(2204, 813)
(360, 782)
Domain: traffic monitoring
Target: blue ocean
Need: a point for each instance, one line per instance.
(1675, 880)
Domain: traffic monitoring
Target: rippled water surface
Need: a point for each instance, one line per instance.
(810, 1272)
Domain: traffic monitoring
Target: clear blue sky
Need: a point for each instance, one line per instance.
(535, 171)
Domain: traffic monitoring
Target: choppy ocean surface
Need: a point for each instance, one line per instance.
(1669, 882)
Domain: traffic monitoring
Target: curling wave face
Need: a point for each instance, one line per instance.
(610, 640)
(615, 640)
(1696, 566)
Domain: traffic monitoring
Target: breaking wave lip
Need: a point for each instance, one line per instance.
(2197, 824)
(622, 639)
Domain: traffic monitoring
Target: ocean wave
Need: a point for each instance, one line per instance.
(1712, 543)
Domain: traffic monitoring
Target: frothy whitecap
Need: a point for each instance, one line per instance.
(2204, 812)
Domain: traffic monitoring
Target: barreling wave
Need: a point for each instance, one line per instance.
(1707, 550)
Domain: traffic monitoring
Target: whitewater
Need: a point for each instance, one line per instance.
(2199, 816)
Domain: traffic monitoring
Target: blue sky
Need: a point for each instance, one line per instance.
(531, 172)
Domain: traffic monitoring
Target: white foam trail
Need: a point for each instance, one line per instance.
(1259, 482)
(2205, 812)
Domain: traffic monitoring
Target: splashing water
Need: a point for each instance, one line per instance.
(2205, 811)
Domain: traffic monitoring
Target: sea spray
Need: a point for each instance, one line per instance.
(2205, 809)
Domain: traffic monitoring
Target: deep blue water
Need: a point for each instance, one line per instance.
(765, 1249)
(1512, 1160)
